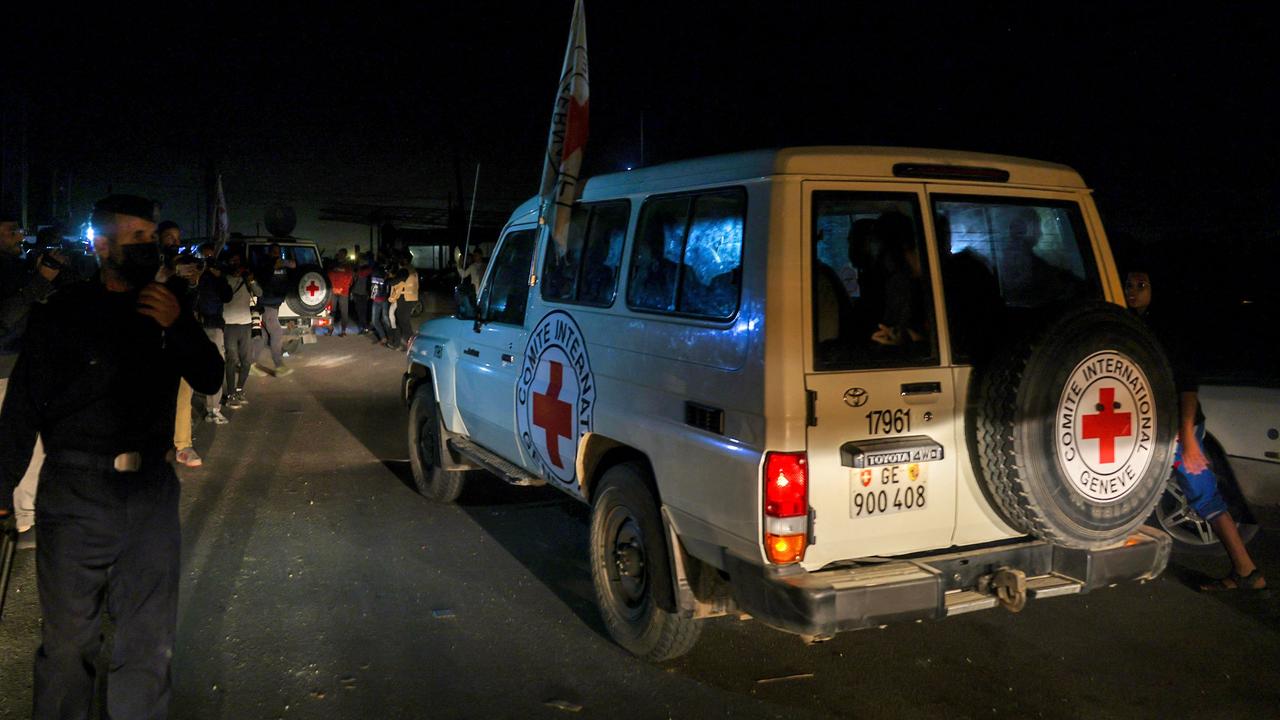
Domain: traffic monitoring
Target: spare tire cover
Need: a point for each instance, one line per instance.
(1072, 429)
(309, 291)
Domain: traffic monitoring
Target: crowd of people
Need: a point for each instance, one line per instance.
(373, 297)
(100, 372)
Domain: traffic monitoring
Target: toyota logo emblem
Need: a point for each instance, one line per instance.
(855, 397)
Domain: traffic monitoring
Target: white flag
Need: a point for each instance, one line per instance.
(221, 230)
(568, 137)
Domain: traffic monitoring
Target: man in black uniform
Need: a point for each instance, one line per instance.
(98, 379)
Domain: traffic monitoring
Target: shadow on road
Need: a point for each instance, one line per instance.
(543, 529)
(1193, 570)
(555, 552)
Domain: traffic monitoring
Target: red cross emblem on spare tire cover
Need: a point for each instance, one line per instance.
(309, 293)
(1073, 427)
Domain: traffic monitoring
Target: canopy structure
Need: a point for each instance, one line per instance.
(415, 217)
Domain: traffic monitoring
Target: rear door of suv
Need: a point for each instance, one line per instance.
(881, 443)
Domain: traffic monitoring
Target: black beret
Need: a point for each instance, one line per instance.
(128, 205)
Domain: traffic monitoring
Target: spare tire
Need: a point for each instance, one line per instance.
(1073, 427)
(309, 290)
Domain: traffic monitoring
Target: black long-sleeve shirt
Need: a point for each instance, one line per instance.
(96, 376)
(20, 289)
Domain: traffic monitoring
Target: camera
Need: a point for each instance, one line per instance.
(187, 258)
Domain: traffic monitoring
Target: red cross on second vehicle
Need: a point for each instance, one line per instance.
(311, 289)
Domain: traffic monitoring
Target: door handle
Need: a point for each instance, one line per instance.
(921, 388)
(507, 358)
(472, 352)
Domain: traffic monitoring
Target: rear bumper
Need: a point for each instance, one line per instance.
(821, 604)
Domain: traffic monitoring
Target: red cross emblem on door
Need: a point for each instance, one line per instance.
(1107, 425)
(312, 288)
(552, 414)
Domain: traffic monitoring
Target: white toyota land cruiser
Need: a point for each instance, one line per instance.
(829, 387)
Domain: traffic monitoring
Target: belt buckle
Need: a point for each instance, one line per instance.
(127, 462)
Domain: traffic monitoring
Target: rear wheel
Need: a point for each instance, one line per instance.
(426, 450)
(631, 568)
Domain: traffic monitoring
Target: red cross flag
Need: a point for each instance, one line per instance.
(221, 230)
(568, 137)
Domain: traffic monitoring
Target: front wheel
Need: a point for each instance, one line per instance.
(426, 450)
(630, 566)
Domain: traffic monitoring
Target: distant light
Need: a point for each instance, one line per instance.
(628, 167)
(88, 234)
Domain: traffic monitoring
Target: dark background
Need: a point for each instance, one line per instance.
(1169, 114)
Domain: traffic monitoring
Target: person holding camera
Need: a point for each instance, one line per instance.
(23, 285)
(238, 329)
(213, 292)
(97, 378)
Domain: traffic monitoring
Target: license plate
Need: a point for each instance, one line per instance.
(887, 489)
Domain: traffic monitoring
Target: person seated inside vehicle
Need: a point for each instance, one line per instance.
(974, 306)
(597, 273)
(833, 306)
(866, 248)
(898, 266)
(654, 278)
(1028, 279)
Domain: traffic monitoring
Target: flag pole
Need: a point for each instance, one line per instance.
(471, 216)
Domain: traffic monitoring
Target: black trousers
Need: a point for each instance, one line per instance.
(360, 308)
(341, 317)
(404, 320)
(113, 538)
(239, 346)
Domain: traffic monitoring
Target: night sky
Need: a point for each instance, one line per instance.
(1170, 115)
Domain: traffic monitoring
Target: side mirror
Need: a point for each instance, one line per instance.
(466, 302)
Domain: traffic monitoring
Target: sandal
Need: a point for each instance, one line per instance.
(1235, 581)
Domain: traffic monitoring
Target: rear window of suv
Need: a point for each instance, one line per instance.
(872, 299)
(1006, 260)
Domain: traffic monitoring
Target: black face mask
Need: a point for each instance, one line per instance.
(137, 264)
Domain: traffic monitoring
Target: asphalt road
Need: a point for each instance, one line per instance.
(317, 584)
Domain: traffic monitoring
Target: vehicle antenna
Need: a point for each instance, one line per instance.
(466, 247)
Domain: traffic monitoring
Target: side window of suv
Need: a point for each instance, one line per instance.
(687, 257)
(872, 299)
(506, 293)
(585, 269)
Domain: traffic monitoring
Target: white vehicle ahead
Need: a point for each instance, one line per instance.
(1242, 443)
(828, 387)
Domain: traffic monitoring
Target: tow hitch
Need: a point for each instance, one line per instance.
(1009, 585)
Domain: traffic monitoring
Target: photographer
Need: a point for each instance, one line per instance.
(22, 286)
(237, 332)
(212, 293)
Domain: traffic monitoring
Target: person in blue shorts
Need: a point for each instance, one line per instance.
(1191, 466)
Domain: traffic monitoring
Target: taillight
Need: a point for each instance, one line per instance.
(786, 506)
